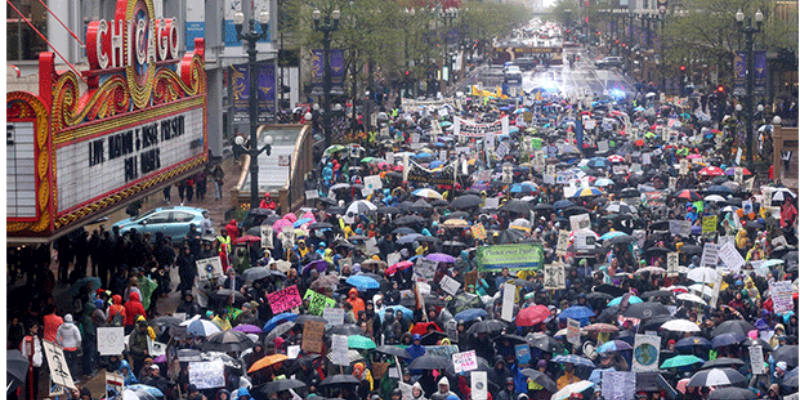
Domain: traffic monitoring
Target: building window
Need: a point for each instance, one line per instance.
(22, 42)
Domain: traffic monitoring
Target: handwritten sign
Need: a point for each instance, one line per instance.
(618, 385)
(110, 341)
(209, 268)
(266, 237)
(757, 360)
(523, 353)
(465, 362)
(684, 169)
(731, 257)
(339, 350)
(207, 374)
(672, 263)
(449, 285)
(574, 331)
(709, 258)
(709, 225)
(334, 316)
(59, 369)
(312, 336)
(312, 194)
(284, 299)
(317, 302)
(781, 293)
(679, 227)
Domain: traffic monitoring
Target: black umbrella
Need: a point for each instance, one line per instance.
(428, 239)
(654, 324)
(716, 377)
(540, 378)
(622, 239)
(727, 339)
(320, 225)
(433, 337)
(599, 296)
(280, 330)
(514, 338)
(733, 326)
(228, 341)
(723, 362)
(787, 354)
(408, 220)
(327, 200)
(615, 291)
(645, 310)
(430, 363)
(543, 207)
(691, 249)
(346, 329)
(657, 293)
(457, 214)
(757, 342)
(227, 293)
(489, 326)
(279, 385)
(465, 202)
(576, 210)
(510, 236)
(309, 317)
(403, 230)
(656, 252)
(388, 210)
(165, 320)
(516, 206)
(345, 379)
(16, 369)
(660, 225)
(732, 393)
(393, 350)
(545, 343)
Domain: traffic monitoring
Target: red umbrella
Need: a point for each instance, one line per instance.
(711, 171)
(690, 195)
(246, 239)
(422, 327)
(532, 315)
(402, 265)
(639, 142)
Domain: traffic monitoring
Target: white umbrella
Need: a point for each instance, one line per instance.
(681, 325)
(428, 194)
(521, 223)
(716, 377)
(782, 194)
(568, 390)
(702, 289)
(702, 274)
(360, 207)
(692, 298)
(715, 198)
(190, 320)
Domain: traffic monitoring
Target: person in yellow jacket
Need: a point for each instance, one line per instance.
(222, 321)
(150, 331)
(568, 377)
(741, 239)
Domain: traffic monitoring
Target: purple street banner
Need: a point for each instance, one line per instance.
(318, 67)
(739, 72)
(760, 67)
(240, 89)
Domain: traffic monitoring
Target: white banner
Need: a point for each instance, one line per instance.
(509, 293)
(472, 129)
(207, 374)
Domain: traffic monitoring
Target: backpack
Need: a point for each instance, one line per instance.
(117, 320)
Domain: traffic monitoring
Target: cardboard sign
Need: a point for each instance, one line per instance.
(478, 231)
(509, 293)
(312, 336)
(318, 302)
(209, 268)
(449, 285)
(339, 350)
(424, 269)
(479, 385)
(266, 237)
(207, 374)
(379, 369)
(284, 299)
(471, 278)
(465, 362)
(574, 331)
(709, 257)
(684, 169)
(334, 316)
(554, 277)
(114, 381)
(59, 369)
(563, 242)
(110, 341)
(523, 353)
(578, 222)
(645, 353)
(680, 228)
(781, 293)
(731, 257)
(757, 360)
(312, 194)
(672, 263)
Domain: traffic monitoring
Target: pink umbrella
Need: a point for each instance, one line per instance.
(290, 217)
(681, 386)
(402, 265)
(282, 223)
(160, 359)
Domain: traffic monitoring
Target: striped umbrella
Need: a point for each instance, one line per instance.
(573, 359)
(612, 346)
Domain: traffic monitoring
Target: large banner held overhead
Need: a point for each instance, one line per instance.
(467, 128)
(445, 175)
(515, 257)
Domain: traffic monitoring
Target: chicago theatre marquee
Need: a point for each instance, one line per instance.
(140, 123)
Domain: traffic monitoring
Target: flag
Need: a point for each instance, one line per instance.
(539, 95)
(475, 91)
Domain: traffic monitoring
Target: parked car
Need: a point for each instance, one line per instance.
(512, 73)
(609, 62)
(171, 221)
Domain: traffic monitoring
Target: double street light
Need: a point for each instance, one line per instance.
(252, 36)
(749, 30)
(330, 24)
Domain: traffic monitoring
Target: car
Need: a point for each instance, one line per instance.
(171, 221)
(525, 63)
(570, 44)
(512, 73)
(609, 62)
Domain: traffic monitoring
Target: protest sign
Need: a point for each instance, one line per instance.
(339, 350)
(312, 336)
(334, 316)
(114, 381)
(523, 353)
(709, 225)
(618, 385)
(672, 182)
(110, 341)
(645, 353)
(781, 293)
(672, 263)
(515, 257)
(266, 237)
(563, 242)
(441, 351)
(684, 169)
(59, 369)
(757, 360)
(478, 231)
(550, 169)
(155, 349)
(709, 257)
(318, 302)
(554, 277)
(509, 293)
(312, 194)
(449, 285)
(602, 146)
(470, 278)
(288, 238)
(578, 222)
(479, 385)
(722, 240)
(379, 369)
(574, 331)
(464, 362)
(393, 258)
(640, 236)
(293, 351)
(372, 246)
(717, 286)
(284, 299)
(680, 227)
(373, 182)
(209, 268)
(424, 269)
(207, 374)
(731, 257)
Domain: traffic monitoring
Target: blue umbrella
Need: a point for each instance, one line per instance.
(407, 314)
(631, 300)
(422, 155)
(693, 341)
(149, 389)
(471, 314)
(727, 339)
(301, 221)
(576, 312)
(279, 319)
(562, 204)
(575, 360)
(611, 235)
(522, 188)
(598, 162)
(363, 283)
(435, 164)
(613, 345)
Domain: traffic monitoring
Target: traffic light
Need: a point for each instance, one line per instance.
(617, 41)
(683, 68)
(721, 89)
(406, 72)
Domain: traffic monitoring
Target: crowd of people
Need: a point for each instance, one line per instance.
(588, 200)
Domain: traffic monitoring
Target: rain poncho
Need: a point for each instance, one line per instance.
(125, 371)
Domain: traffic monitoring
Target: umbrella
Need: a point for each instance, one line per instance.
(136, 394)
(568, 390)
(680, 325)
(716, 377)
(588, 192)
(609, 289)
(148, 389)
(563, 204)
(733, 326)
(201, 327)
(757, 342)
(600, 327)
(620, 208)
(599, 296)
(361, 207)
(341, 379)
(612, 346)
(540, 378)
(255, 273)
(645, 310)
(489, 326)
(470, 315)
(727, 339)
(228, 341)
(465, 202)
(276, 386)
(267, 361)
(657, 294)
(723, 362)
(279, 319)
(732, 393)
(280, 330)
(781, 195)
(702, 274)
(532, 315)
(320, 265)
(360, 342)
(545, 343)
(689, 195)
(691, 298)
(523, 188)
(428, 362)
(346, 329)
(441, 257)
(631, 300)
(787, 354)
(363, 283)
(691, 250)
(16, 369)
(692, 341)
(165, 320)
(681, 361)
(516, 206)
(573, 359)
(393, 350)
(576, 312)
(711, 171)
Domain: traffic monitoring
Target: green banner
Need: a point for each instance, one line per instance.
(515, 257)
(318, 302)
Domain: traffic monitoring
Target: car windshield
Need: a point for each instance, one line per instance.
(143, 216)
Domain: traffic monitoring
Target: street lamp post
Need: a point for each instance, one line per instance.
(331, 24)
(252, 36)
(749, 31)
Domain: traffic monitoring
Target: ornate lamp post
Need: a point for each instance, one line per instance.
(749, 30)
(331, 24)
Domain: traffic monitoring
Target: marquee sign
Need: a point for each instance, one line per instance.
(140, 123)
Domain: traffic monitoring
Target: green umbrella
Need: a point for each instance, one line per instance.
(445, 123)
(649, 135)
(334, 149)
(681, 361)
(370, 160)
(360, 342)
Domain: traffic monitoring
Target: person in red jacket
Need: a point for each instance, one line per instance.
(115, 308)
(133, 309)
(233, 231)
(51, 323)
(268, 203)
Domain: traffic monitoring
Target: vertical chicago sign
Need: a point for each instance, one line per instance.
(140, 122)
